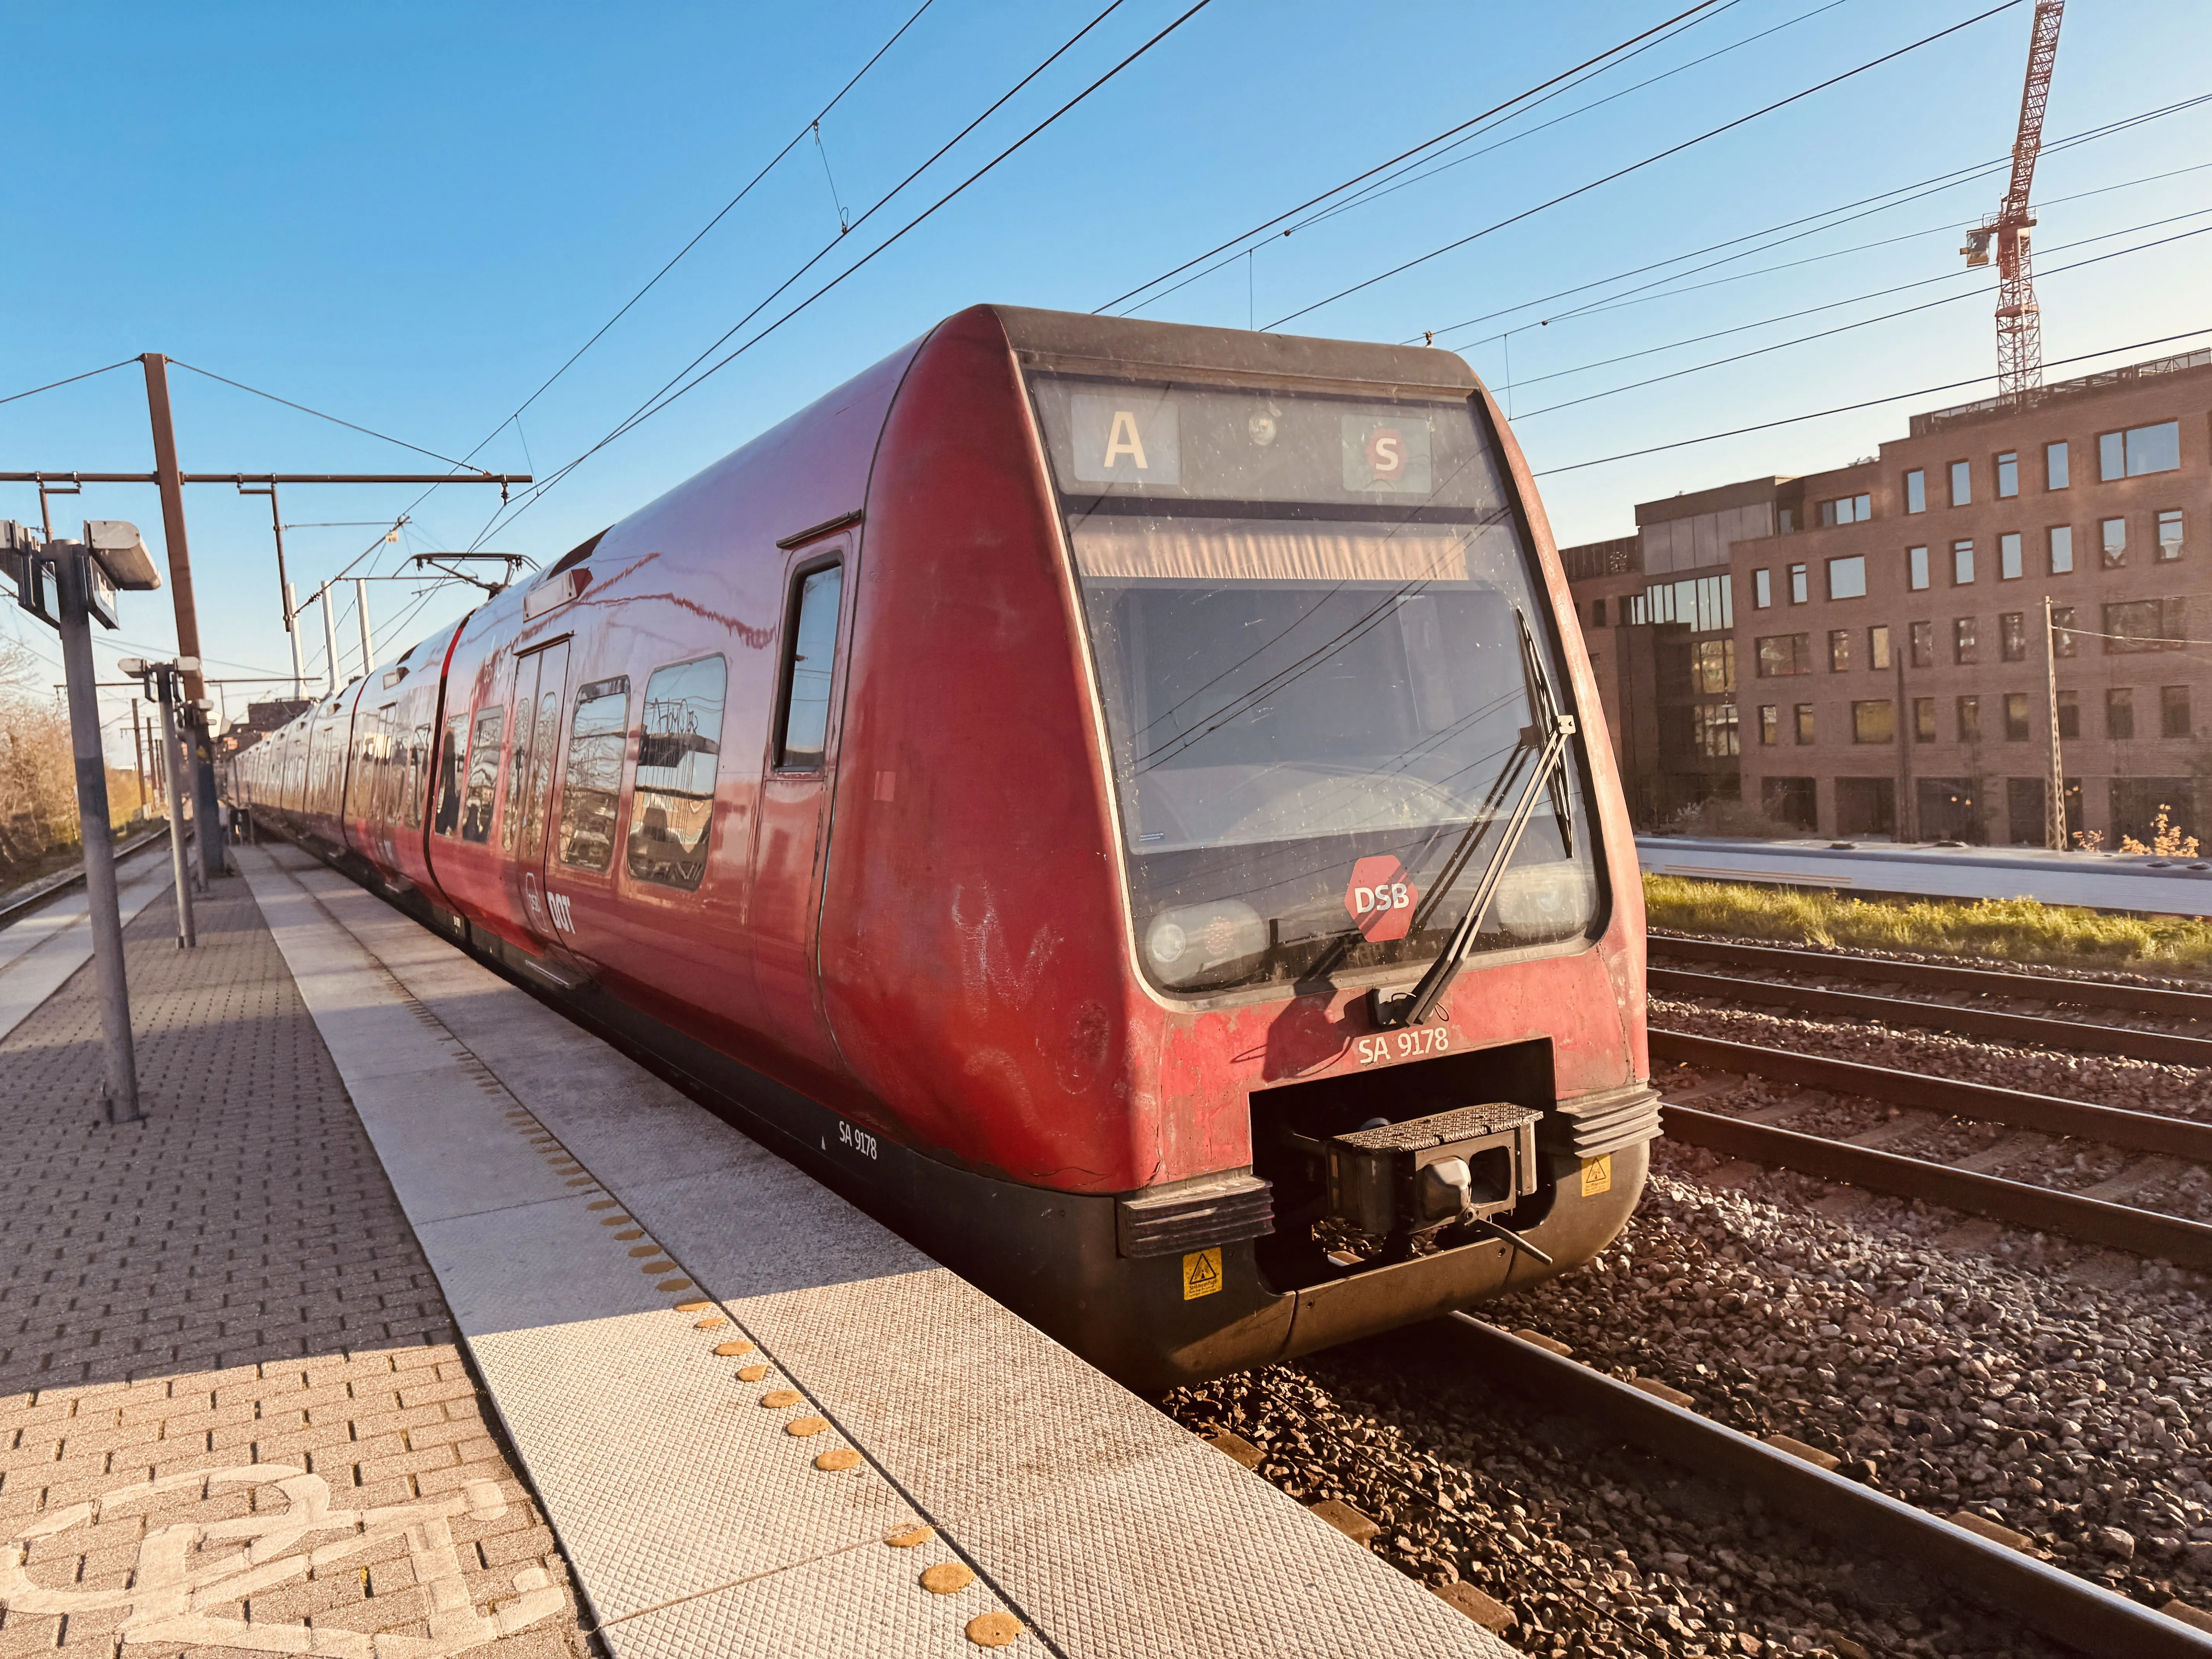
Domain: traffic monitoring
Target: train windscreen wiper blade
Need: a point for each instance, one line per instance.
(1544, 742)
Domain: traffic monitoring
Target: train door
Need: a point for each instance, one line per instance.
(540, 683)
(797, 786)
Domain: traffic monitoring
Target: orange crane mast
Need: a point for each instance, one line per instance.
(2019, 325)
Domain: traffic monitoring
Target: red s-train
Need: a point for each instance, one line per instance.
(1046, 788)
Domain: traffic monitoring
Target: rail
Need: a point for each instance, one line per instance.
(2047, 987)
(2086, 1037)
(2045, 1599)
(31, 895)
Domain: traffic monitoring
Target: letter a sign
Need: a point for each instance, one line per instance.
(1134, 437)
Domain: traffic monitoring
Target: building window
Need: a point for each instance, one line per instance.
(1839, 650)
(2010, 568)
(1788, 521)
(1597, 613)
(1783, 654)
(2062, 630)
(2008, 474)
(1915, 559)
(1962, 484)
(1970, 720)
(2169, 535)
(1962, 563)
(2116, 542)
(1873, 721)
(1924, 645)
(1712, 668)
(1924, 719)
(2015, 707)
(1846, 509)
(2120, 712)
(2012, 635)
(1762, 589)
(2054, 465)
(2061, 549)
(2069, 713)
(1716, 730)
(1799, 592)
(1847, 577)
(1769, 721)
(1804, 722)
(2173, 711)
(2139, 450)
(1965, 643)
(1878, 646)
(2136, 625)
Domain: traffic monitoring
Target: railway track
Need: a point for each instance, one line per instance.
(1979, 1018)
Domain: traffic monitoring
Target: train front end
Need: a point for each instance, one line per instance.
(1367, 1004)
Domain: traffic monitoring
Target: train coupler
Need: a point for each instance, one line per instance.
(1400, 1180)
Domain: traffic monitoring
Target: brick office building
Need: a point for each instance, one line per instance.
(1862, 651)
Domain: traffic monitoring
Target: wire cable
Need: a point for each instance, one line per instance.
(1870, 402)
(1522, 97)
(209, 374)
(663, 400)
(1658, 156)
(17, 397)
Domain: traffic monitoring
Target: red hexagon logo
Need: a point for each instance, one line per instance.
(1380, 899)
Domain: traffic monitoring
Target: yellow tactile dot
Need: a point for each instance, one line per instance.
(752, 1373)
(694, 1306)
(642, 1249)
(776, 1398)
(581, 1181)
(614, 1221)
(993, 1630)
(837, 1458)
(604, 1204)
(731, 1350)
(709, 1324)
(946, 1578)
(660, 1266)
(806, 1427)
(673, 1284)
(905, 1538)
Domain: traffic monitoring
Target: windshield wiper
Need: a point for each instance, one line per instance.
(1544, 741)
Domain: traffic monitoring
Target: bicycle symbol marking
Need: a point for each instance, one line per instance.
(179, 1578)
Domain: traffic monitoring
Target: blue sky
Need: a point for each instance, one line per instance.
(409, 216)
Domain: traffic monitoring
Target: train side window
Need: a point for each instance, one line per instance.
(448, 820)
(589, 792)
(679, 750)
(418, 757)
(803, 731)
(483, 775)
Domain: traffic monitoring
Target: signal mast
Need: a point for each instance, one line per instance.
(2019, 326)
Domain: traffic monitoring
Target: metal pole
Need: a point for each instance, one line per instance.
(361, 610)
(90, 754)
(330, 638)
(166, 682)
(172, 481)
(138, 754)
(292, 633)
(2054, 815)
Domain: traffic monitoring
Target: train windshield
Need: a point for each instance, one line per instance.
(1306, 616)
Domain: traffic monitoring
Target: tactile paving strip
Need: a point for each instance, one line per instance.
(696, 1523)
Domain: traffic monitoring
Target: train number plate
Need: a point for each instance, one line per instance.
(1404, 1045)
(857, 1140)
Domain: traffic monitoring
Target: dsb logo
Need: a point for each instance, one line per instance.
(1380, 899)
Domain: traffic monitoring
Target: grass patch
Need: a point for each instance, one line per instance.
(2008, 930)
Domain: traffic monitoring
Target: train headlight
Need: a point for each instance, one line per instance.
(1185, 943)
(1544, 901)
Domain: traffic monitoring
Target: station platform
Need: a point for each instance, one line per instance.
(729, 1413)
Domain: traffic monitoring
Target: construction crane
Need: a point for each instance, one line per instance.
(2019, 326)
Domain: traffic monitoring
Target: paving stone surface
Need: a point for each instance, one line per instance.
(231, 1403)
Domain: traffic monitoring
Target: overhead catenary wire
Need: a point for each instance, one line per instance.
(350, 426)
(17, 397)
(1868, 403)
(1656, 156)
(1427, 144)
(1845, 328)
(1864, 207)
(668, 396)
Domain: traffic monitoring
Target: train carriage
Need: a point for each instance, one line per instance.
(1125, 802)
